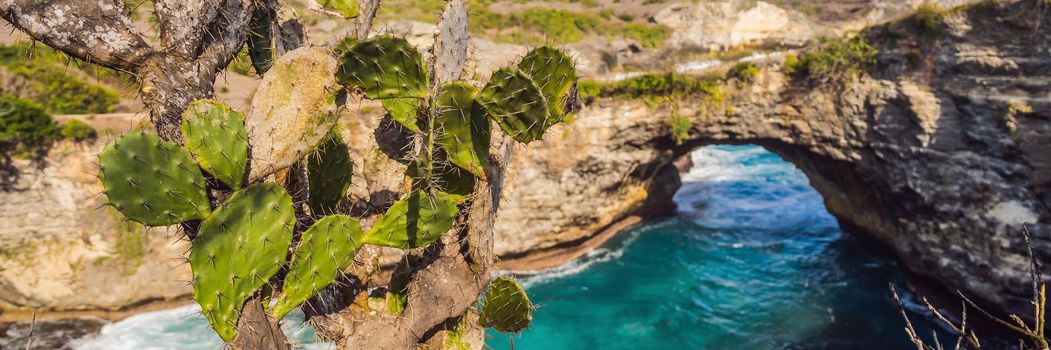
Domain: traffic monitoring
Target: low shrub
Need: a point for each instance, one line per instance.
(671, 85)
(744, 72)
(680, 126)
(25, 127)
(53, 84)
(77, 130)
(929, 17)
(836, 59)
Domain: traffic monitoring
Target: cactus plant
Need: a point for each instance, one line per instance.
(403, 111)
(417, 220)
(463, 130)
(515, 101)
(326, 249)
(238, 249)
(506, 306)
(241, 247)
(384, 67)
(151, 181)
(293, 110)
(262, 48)
(554, 71)
(216, 134)
(329, 173)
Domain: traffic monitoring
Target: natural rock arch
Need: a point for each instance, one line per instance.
(942, 161)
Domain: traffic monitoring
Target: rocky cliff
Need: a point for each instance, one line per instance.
(939, 154)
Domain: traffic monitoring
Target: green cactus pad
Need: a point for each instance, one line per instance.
(216, 135)
(346, 8)
(553, 70)
(403, 111)
(516, 103)
(261, 44)
(238, 249)
(455, 181)
(329, 172)
(415, 221)
(463, 130)
(506, 307)
(326, 250)
(151, 181)
(385, 67)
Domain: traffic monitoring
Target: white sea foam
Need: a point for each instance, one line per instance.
(596, 256)
(181, 328)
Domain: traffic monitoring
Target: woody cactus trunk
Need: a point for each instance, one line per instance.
(261, 195)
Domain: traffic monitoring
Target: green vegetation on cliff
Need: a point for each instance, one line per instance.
(53, 81)
(834, 59)
(26, 129)
(535, 25)
(665, 85)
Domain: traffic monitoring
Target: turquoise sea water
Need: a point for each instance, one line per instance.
(752, 260)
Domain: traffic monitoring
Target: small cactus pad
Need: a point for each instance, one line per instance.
(385, 67)
(293, 110)
(506, 307)
(463, 130)
(329, 171)
(403, 111)
(151, 181)
(261, 44)
(346, 8)
(553, 70)
(455, 181)
(516, 103)
(415, 221)
(238, 249)
(326, 250)
(216, 135)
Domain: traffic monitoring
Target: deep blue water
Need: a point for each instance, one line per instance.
(752, 260)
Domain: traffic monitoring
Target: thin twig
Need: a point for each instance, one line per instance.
(32, 329)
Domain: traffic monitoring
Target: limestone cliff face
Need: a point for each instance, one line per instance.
(942, 155)
(726, 24)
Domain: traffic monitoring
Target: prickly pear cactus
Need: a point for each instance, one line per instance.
(238, 249)
(506, 307)
(553, 70)
(415, 221)
(403, 111)
(262, 46)
(151, 181)
(515, 101)
(293, 109)
(463, 130)
(215, 133)
(326, 249)
(384, 67)
(329, 171)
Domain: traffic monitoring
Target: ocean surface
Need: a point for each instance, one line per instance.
(752, 260)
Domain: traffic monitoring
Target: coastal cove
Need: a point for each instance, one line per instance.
(710, 200)
(751, 259)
